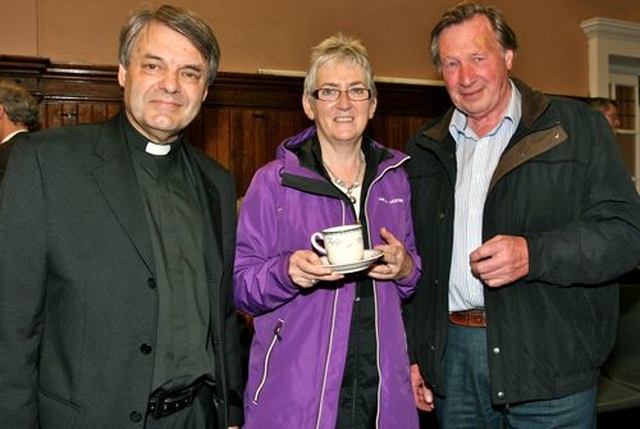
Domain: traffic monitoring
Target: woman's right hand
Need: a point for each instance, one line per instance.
(306, 269)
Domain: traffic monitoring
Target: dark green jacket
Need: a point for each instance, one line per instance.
(561, 184)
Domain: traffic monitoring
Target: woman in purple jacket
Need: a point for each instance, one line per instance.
(329, 349)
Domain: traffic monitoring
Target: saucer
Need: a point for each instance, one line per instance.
(370, 256)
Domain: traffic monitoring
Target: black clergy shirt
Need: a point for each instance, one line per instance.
(175, 216)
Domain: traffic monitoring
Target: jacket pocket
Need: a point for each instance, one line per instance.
(56, 413)
(265, 368)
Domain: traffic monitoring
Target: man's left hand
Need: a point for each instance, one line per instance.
(501, 260)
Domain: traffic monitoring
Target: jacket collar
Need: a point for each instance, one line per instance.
(302, 151)
(116, 178)
(525, 143)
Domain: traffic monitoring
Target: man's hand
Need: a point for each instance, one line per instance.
(421, 394)
(501, 260)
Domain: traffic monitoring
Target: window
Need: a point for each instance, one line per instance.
(614, 72)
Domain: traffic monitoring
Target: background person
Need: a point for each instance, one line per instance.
(19, 113)
(115, 292)
(524, 216)
(609, 109)
(330, 347)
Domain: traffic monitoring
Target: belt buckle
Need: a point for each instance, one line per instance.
(155, 406)
(166, 404)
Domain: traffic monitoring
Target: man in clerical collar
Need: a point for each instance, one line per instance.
(116, 283)
(19, 113)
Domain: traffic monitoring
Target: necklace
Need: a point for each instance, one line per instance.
(341, 183)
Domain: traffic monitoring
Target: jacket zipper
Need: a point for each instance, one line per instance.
(327, 358)
(267, 359)
(377, 327)
(378, 178)
(375, 295)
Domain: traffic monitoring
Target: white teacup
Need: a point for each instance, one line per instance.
(342, 244)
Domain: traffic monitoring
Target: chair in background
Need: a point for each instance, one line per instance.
(619, 384)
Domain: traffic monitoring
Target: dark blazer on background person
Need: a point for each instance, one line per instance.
(5, 150)
(79, 306)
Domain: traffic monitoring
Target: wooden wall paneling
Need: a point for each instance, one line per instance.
(113, 109)
(239, 152)
(408, 126)
(394, 130)
(401, 132)
(395, 137)
(194, 134)
(23, 70)
(257, 124)
(402, 109)
(265, 130)
(243, 120)
(280, 125)
(284, 124)
(71, 82)
(89, 113)
(254, 140)
(415, 123)
(56, 114)
(53, 115)
(384, 129)
(69, 113)
(211, 132)
(206, 122)
(218, 136)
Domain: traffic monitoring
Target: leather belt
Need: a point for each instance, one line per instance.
(469, 318)
(163, 404)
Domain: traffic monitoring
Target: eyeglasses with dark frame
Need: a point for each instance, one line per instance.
(357, 93)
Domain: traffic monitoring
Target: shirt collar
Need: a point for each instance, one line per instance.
(10, 136)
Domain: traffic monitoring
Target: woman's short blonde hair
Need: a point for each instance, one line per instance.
(342, 49)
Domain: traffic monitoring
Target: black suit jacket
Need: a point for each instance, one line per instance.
(5, 150)
(78, 307)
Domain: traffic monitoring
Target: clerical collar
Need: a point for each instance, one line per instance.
(157, 149)
(142, 144)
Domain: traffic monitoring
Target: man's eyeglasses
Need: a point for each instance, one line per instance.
(332, 94)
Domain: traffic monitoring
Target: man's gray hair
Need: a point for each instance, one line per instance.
(181, 20)
(466, 11)
(20, 105)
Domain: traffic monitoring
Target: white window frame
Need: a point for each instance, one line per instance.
(614, 58)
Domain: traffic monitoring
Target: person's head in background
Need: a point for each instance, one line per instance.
(19, 111)
(168, 58)
(609, 109)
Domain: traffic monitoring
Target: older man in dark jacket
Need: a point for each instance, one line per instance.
(524, 216)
